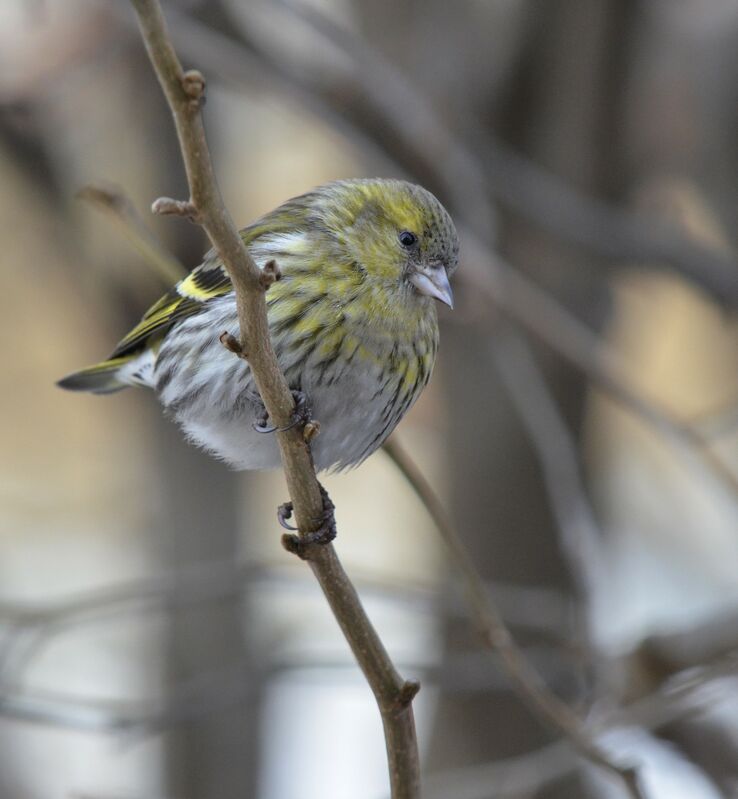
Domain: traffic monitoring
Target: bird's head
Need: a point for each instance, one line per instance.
(398, 233)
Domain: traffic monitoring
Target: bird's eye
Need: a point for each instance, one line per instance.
(407, 239)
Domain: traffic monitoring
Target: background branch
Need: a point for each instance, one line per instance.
(112, 202)
(495, 633)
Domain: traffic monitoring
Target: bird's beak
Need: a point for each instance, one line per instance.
(433, 282)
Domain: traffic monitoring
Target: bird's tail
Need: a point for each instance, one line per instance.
(105, 377)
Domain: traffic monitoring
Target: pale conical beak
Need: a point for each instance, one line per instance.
(433, 282)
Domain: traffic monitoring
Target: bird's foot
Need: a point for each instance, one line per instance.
(302, 415)
(323, 534)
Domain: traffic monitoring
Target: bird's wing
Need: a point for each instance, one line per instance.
(205, 282)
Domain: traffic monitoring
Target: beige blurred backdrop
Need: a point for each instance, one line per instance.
(156, 639)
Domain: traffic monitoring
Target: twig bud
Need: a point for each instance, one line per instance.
(193, 85)
(271, 273)
(166, 206)
(311, 429)
(232, 344)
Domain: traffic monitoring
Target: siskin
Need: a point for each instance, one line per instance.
(352, 320)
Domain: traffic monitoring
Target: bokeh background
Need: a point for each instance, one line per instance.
(581, 426)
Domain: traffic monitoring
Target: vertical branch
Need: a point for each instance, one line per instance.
(185, 93)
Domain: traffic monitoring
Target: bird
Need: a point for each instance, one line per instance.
(352, 319)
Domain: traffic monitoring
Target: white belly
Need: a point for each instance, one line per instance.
(211, 395)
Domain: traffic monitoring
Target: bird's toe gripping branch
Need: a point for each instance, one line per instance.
(302, 415)
(323, 534)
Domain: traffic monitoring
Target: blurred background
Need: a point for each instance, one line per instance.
(581, 426)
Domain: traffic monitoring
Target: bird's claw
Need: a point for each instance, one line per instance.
(284, 512)
(300, 416)
(323, 534)
(261, 425)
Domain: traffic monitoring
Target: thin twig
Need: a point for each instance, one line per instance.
(120, 210)
(185, 92)
(495, 633)
(190, 699)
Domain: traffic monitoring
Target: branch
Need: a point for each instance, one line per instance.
(185, 93)
(120, 210)
(495, 633)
